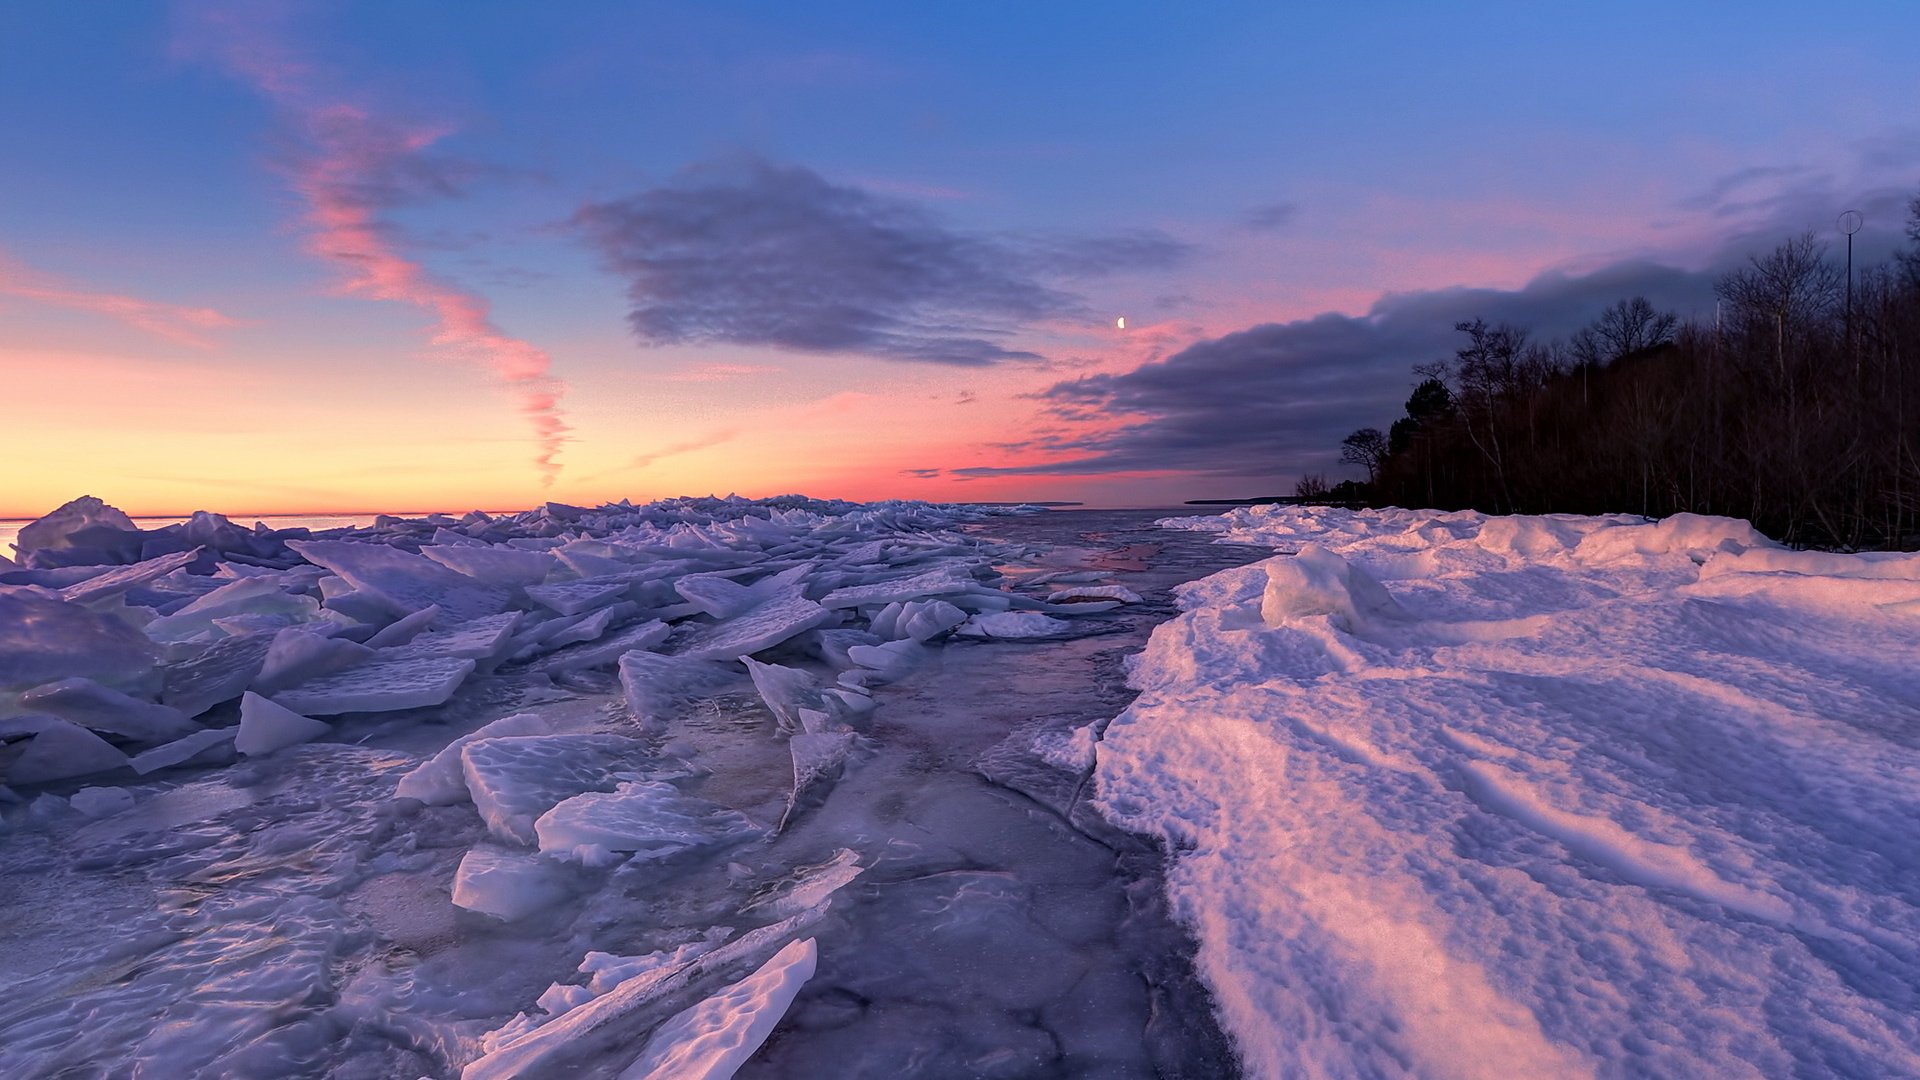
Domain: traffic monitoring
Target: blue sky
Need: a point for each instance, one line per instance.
(1289, 161)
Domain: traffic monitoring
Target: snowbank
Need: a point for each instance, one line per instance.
(1454, 795)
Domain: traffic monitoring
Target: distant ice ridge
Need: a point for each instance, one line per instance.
(1454, 795)
(140, 636)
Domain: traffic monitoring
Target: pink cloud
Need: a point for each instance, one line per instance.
(706, 373)
(184, 325)
(357, 164)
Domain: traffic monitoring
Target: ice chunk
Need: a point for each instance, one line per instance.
(182, 750)
(507, 884)
(711, 1040)
(1315, 581)
(380, 685)
(785, 690)
(1093, 592)
(482, 640)
(648, 818)
(43, 639)
(568, 630)
(831, 644)
(605, 653)
(410, 582)
(93, 706)
(1013, 625)
(717, 595)
(116, 582)
(577, 597)
(890, 660)
(817, 756)
(404, 630)
(61, 750)
(514, 780)
(566, 1044)
(763, 627)
(243, 596)
(442, 781)
(502, 566)
(55, 531)
(298, 654)
(656, 685)
(919, 620)
(811, 886)
(932, 583)
(215, 674)
(99, 802)
(266, 726)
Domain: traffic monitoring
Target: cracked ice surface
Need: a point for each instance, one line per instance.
(1580, 796)
(368, 895)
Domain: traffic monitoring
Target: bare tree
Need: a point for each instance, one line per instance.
(1312, 487)
(1632, 326)
(1366, 448)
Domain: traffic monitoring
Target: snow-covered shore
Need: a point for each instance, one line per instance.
(1458, 795)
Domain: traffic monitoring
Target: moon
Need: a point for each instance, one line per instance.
(1120, 323)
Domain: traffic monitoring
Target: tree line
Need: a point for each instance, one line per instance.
(1792, 408)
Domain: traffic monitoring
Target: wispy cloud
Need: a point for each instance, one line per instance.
(182, 325)
(642, 461)
(353, 165)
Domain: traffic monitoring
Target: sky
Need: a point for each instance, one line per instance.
(279, 258)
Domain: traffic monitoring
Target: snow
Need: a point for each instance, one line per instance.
(1079, 593)
(1452, 794)
(266, 726)
(712, 1039)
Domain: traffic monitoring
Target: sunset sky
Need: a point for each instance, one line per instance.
(270, 258)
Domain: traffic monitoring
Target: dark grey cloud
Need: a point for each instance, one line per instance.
(1270, 217)
(1273, 401)
(768, 255)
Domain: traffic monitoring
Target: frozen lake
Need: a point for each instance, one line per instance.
(972, 916)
